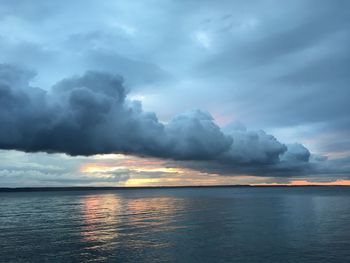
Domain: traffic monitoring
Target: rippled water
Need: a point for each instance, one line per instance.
(177, 225)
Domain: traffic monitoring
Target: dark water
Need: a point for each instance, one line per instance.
(177, 225)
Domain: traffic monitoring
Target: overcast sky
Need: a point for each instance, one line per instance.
(174, 92)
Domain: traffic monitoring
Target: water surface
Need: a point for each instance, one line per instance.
(307, 224)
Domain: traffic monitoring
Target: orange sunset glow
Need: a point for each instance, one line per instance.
(154, 172)
(338, 182)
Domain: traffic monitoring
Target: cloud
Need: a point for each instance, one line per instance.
(297, 153)
(253, 146)
(18, 169)
(15, 178)
(194, 136)
(137, 73)
(91, 114)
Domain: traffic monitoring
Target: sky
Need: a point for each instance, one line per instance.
(154, 93)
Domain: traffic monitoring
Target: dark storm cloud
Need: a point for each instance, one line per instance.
(90, 114)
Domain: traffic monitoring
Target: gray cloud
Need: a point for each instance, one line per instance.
(90, 114)
(13, 178)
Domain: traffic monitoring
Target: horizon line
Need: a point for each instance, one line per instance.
(82, 188)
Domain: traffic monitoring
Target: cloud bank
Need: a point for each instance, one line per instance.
(91, 114)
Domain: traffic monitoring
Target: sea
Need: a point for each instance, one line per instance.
(217, 224)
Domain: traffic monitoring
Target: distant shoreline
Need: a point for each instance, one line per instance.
(97, 188)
